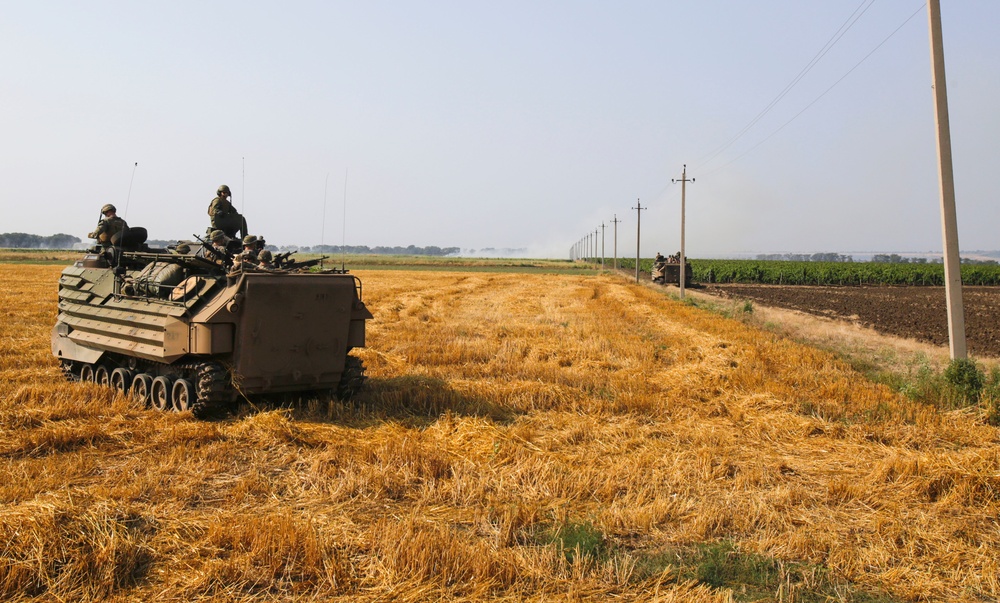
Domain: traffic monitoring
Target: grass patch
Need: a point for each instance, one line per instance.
(577, 540)
(961, 384)
(753, 577)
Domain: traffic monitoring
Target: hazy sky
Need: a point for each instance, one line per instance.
(501, 124)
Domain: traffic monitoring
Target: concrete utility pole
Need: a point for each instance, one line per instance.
(949, 220)
(602, 246)
(683, 181)
(638, 212)
(595, 244)
(615, 222)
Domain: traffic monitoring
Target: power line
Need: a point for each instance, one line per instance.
(824, 93)
(843, 29)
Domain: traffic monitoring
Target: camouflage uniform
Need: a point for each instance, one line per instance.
(108, 227)
(248, 257)
(223, 215)
(218, 242)
(264, 260)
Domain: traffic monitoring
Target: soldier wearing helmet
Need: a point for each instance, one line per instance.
(265, 260)
(248, 257)
(224, 216)
(216, 248)
(108, 226)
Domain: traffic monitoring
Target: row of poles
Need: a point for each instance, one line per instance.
(586, 248)
(946, 178)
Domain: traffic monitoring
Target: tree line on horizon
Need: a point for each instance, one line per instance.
(377, 250)
(23, 240)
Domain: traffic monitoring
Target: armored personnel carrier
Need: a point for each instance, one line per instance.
(666, 273)
(187, 328)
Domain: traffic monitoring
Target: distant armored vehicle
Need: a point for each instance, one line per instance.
(183, 329)
(668, 270)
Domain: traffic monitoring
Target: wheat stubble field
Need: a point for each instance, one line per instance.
(523, 438)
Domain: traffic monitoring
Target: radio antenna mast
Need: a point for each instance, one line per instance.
(129, 197)
(322, 230)
(343, 240)
(243, 190)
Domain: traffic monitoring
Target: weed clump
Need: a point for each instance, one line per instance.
(579, 540)
(965, 378)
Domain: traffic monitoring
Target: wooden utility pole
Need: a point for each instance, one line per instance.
(683, 181)
(949, 219)
(615, 222)
(638, 212)
(602, 246)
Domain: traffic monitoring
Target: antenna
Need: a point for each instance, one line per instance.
(243, 190)
(343, 241)
(129, 197)
(322, 230)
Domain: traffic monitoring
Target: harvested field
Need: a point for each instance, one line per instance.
(911, 312)
(523, 438)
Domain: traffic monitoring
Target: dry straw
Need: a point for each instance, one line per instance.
(503, 412)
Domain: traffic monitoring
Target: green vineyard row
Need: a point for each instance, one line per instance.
(776, 272)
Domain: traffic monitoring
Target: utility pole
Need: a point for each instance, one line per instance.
(684, 181)
(615, 222)
(638, 212)
(595, 245)
(949, 219)
(602, 246)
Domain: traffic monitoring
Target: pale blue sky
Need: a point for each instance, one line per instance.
(503, 124)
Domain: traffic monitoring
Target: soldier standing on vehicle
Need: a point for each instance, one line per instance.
(108, 226)
(224, 216)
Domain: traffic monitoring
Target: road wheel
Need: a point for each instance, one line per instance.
(87, 373)
(101, 376)
(68, 370)
(142, 388)
(352, 380)
(121, 379)
(160, 393)
(214, 388)
(182, 395)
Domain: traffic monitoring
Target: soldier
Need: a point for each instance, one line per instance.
(248, 257)
(217, 250)
(108, 226)
(224, 216)
(264, 259)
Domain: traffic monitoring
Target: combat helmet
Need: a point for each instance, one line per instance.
(108, 207)
(217, 235)
(265, 256)
(249, 240)
(224, 190)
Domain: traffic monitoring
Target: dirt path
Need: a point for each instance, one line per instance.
(910, 312)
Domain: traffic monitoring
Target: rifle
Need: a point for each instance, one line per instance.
(280, 258)
(224, 257)
(304, 264)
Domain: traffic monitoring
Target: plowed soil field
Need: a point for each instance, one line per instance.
(914, 312)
